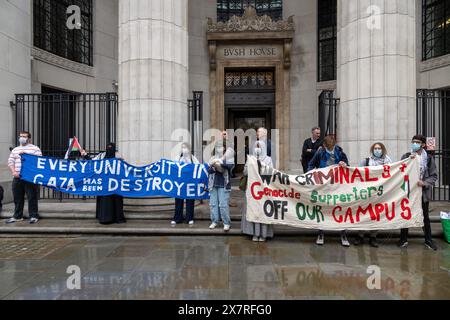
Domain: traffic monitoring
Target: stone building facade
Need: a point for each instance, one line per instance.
(268, 65)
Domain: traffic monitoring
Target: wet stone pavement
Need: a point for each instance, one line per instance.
(230, 268)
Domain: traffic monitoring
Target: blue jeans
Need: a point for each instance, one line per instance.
(219, 199)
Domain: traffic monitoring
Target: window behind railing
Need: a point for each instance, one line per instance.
(435, 28)
(50, 31)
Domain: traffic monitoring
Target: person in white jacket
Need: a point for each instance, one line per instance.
(20, 187)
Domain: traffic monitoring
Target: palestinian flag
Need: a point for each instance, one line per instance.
(405, 186)
(74, 145)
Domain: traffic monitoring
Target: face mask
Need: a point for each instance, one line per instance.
(258, 151)
(378, 153)
(23, 141)
(415, 147)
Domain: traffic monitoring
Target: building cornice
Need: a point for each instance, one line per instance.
(53, 59)
(435, 63)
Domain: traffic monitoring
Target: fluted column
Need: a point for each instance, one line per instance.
(376, 75)
(153, 77)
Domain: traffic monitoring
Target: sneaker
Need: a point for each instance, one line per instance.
(402, 243)
(255, 239)
(344, 240)
(213, 225)
(358, 240)
(261, 239)
(430, 245)
(173, 223)
(373, 242)
(191, 223)
(13, 220)
(226, 228)
(320, 239)
(34, 220)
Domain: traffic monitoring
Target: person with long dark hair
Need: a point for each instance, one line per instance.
(109, 209)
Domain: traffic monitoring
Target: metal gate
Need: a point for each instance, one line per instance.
(328, 113)
(54, 118)
(433, 119)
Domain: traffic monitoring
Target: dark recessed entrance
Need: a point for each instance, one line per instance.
(249, 101)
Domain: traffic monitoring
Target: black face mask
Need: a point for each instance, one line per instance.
(110, 151)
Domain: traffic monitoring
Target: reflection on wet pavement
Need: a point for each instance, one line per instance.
(231, 268)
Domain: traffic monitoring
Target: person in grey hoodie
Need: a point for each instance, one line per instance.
(378, 157)
(428, 177)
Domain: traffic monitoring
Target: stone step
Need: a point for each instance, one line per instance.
(162, 227)
(86, 210)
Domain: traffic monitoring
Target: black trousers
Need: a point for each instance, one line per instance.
(426, 224)
(179, 204)
(20, 188)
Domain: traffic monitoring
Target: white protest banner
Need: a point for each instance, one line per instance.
(335, 198)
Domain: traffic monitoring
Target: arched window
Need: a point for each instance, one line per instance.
(228, 8)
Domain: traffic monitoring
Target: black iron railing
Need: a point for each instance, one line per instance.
(328, 105)
(54, 118)
(433, 117)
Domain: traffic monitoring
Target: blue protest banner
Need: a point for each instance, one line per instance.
(114, 176)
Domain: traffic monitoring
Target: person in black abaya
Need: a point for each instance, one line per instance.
(109, 208)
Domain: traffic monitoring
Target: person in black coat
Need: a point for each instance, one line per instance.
(109, 209)
(310, 147)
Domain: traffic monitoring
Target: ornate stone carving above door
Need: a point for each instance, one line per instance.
(252, 41)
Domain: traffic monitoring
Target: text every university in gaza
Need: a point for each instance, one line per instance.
(114, 167)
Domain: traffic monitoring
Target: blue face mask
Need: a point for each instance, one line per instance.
(378, 153)
(415, 147)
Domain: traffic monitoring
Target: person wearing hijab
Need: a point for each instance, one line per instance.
(186, 156)
(219, 185)
(109, 209)
(378, 157)
(258, 231)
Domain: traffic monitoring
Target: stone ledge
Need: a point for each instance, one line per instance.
(161, 227)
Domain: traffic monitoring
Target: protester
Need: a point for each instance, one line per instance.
(109, 209)
(428, 177)
(20, 187)
(259, 232)
(186, 157)
(378, 157)
(310, 147)
(219, 186)
(329, 155)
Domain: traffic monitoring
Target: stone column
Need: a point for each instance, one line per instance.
(153, 77)
(376, 75)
